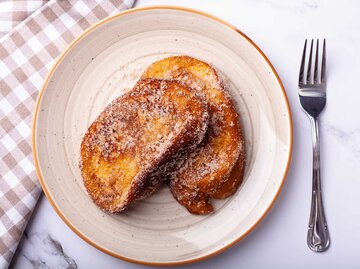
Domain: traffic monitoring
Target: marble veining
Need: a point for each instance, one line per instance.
(44, 252)
(349, 138)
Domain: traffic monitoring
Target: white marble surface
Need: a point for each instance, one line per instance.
(279, 27)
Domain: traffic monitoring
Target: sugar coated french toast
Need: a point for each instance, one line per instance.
(137, 134)
(215, 168)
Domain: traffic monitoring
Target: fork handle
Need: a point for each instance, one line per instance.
(318, 237)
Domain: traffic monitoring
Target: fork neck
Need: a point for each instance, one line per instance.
(315, 132)
(315, 128)
(316, 143)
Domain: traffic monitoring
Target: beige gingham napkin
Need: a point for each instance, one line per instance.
(26, 54)
(13, 12)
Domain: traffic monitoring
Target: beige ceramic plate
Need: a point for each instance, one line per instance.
(104, 62)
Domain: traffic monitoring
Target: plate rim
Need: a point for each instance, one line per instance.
(45, 84)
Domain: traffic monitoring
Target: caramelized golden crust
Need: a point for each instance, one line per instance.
(234, 180)
(215, 168)
(135, 134)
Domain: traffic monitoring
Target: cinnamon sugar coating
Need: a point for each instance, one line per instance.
(135, 135)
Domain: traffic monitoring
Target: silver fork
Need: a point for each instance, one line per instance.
(312, 96)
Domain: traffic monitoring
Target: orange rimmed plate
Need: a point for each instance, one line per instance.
(104, 62)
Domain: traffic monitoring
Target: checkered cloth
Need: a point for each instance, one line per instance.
(14, 12)
(26, 54)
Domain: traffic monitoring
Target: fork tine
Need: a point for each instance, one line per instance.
(308, 76)
(302, 66)
(323, 64)
(316, 76)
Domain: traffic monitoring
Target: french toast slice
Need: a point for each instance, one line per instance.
(136, 134)
(215, 168)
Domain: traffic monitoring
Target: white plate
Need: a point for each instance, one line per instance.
(105, 61)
